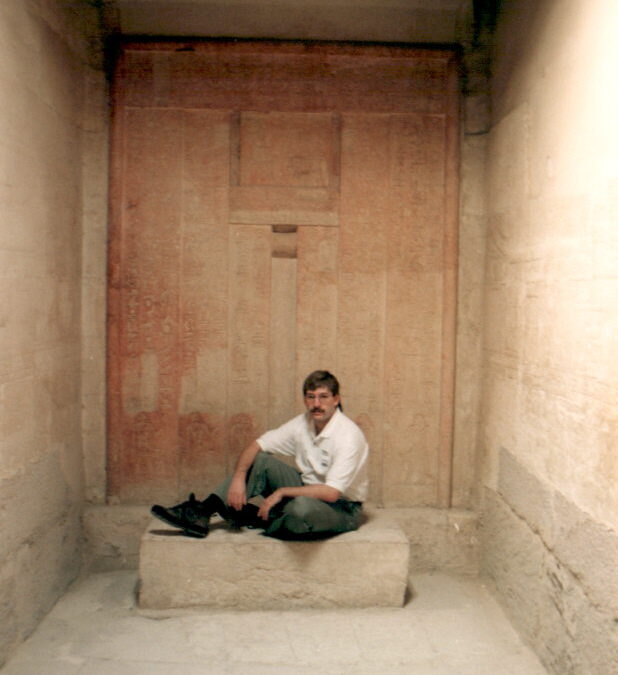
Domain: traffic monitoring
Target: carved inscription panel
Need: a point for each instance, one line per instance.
(278, 208)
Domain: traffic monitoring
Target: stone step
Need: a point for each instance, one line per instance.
(246, 570)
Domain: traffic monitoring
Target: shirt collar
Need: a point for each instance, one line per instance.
(328, 429)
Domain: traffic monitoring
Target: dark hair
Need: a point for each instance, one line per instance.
(322, 378)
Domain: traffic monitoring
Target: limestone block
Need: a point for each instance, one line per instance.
(566, 614)
(43, 571)
(470, 297)
(283, 205)
(238, 76)
(112, 536)
(33, 503)
(440, 539)
(245, 570)
(526, 495)
(513, 558)
(595, 643)
(8, 620)
(477, 114)
(574, 635)
(590, 550)
(462, 554)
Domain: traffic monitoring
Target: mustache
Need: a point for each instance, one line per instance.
(316, 410)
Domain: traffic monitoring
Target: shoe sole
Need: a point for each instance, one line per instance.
(193, 530)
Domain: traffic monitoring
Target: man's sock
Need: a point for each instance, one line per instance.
(214, 504)
(246, 517)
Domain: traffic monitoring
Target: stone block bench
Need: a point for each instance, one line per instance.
(246, 570)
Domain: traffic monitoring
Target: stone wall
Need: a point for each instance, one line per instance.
(235, 237)
(554, 568)
(549, 415)
(475, 124)
(51, 124)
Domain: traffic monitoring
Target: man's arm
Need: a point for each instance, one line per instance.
(324, 492)
(237, 494)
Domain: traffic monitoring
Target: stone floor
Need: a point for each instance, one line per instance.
(449, 626)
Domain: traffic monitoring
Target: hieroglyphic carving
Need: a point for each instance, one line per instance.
(286, 149)
(146, 469)
(241, 431)
(414, 311)
(143, 434)
(367, 423)
(317, 295)
(418, 191)
(282, 351)
(131, 322)
(204, 279)
(365, 168)
(202, 442)
(287, 77)
(282, 205)
(412, 391)
(148, 303)
(135, 78)
(250, 287)
(363, 268)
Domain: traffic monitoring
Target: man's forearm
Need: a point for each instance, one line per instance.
(324, 492)
(246, 458)
(237, 492)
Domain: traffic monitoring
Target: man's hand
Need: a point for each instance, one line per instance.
(237, 494)
(268, 503)
(322, 492)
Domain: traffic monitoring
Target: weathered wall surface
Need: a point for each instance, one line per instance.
(279, 208)
(549, 401)
(475, 123)
(49, 85)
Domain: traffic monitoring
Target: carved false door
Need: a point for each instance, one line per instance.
(277, 209)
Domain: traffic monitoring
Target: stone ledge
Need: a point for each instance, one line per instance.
(245, 570)
(440, 539)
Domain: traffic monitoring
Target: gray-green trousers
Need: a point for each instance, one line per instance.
(299, 517)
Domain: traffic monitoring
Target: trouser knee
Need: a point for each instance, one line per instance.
(262, 459)
(263, 472)
(299, 515)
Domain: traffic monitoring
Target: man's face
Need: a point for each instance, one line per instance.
(321, 405)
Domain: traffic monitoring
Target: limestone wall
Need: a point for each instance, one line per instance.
(549, 398)
(51, 88)
(230, 253)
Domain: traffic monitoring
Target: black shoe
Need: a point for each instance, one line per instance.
(246, 517)
(188, 516)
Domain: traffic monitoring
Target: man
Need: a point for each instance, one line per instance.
(323, 495)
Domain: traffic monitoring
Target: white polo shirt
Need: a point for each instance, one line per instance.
(337, 456)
